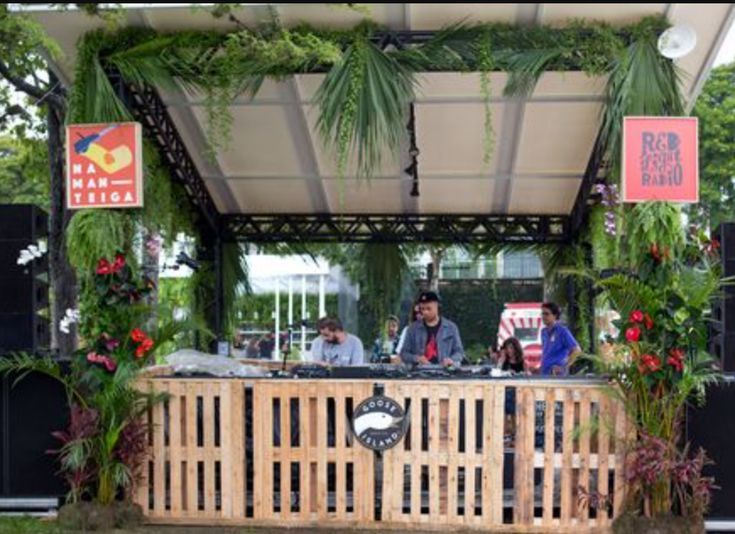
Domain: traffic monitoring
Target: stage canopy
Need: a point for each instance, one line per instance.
(277, 164)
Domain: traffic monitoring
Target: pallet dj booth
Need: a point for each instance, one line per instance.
(280, 451)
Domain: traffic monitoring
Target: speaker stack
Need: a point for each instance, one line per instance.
(24, 302)
(722, 328)
(34, 407)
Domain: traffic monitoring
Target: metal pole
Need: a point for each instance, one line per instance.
(322, 303)
(303, 314)
(290, 311)
(219, 290)
(277, 346)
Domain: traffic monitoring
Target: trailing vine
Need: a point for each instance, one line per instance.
(485, 65)
(366, 122)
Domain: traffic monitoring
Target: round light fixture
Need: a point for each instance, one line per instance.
(677, 41)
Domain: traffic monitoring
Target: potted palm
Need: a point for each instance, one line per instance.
(658, 366)
(103, 449)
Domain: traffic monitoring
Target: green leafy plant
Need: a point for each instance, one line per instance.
(101, 451)
(660, 363)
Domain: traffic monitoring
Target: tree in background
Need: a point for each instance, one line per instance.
(24, 48)
(715, 109)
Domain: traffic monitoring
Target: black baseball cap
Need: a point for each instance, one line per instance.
(428, 296)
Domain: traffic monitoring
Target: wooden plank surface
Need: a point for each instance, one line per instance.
(548, 491)
(443, 457)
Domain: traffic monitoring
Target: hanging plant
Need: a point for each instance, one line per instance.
(363, 102)
(485, 66)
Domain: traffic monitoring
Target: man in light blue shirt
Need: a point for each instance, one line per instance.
(559, 348)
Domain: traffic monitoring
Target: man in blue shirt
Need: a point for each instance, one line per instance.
(559, 348)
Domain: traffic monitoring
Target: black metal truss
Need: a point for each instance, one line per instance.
(148, 108)
(396, 228)
(581, 208)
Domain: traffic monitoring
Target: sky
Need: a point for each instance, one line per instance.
(727, 52)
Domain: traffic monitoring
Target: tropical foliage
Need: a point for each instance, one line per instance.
(661, 363)
(715, 109)
(102, 450)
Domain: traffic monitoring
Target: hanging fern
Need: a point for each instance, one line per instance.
(95, 234)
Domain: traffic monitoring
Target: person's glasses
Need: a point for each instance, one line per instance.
(545, 314)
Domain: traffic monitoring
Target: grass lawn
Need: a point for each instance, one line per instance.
(25, 525)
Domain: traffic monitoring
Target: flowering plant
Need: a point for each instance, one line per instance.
(661, 364)
(103, 449)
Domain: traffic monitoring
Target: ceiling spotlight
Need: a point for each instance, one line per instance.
(677, 41)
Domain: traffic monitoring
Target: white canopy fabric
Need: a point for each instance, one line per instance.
(276, 163)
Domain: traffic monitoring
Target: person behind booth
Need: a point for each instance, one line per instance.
(334, 346)
(559, 348)
(387, 347)
(510, 356)
(433, 339)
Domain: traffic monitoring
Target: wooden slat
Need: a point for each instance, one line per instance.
(416, 453)
(621, 433)
(305, 427)
(549, 437)
(434, 444)
(261, 413)
(321, 443)
(159, 455)
(340, 431)
(174, 412)
(209, 391)
(603, 439)
(566, 471)
(230, 435)
(191, 449)
(284, 398)
(584, 451)
(453, 446)
(497, 457)
(470, 454)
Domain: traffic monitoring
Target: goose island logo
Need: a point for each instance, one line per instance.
(379, 423)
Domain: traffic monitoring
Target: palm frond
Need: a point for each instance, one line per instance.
(526, 67)
(363, 104)
(22, 364)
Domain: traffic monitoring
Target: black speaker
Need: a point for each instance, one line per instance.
(24, 301)
(29, 411)
(722, 327)
(713, 428)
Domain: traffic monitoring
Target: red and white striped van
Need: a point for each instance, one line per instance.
(522, 320)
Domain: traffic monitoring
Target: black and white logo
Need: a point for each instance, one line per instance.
(379, 423)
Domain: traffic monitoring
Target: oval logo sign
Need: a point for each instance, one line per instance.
(379, 423)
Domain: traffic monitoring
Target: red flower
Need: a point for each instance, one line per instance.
(636, 316)
(649, 364)
(93, 357)
(676, 359)
(655, 252)
(119, 263)
(648, 321)
(633, 334)
(144, 347)
(103, 267)
(138, 335)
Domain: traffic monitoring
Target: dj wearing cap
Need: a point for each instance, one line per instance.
(432, 340)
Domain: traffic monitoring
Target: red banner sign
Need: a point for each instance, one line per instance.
(104, 166)
(660, 159)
